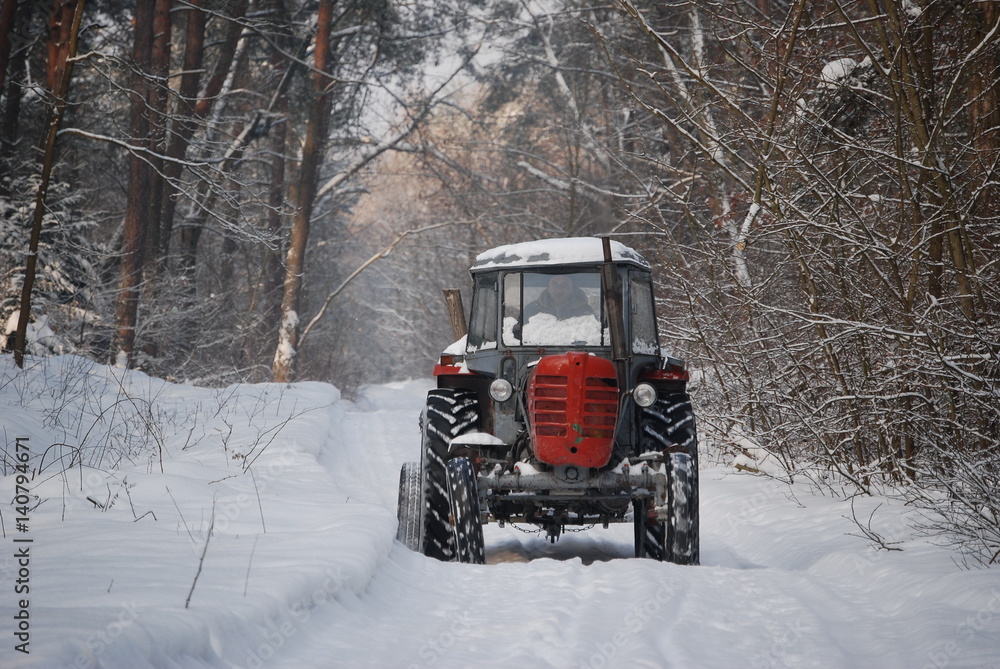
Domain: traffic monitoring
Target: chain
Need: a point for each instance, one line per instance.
(542, 529)
(581, 529)
(538, 531)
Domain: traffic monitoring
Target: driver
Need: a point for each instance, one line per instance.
(563, 299)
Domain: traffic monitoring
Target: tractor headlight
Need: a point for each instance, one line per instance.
(501, 390)
(644, 395)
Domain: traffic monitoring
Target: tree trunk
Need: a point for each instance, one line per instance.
(57, 45)
(160, 67)
(184, 120)
(227, 53)
(271, 292)
(134, 227)
(456, 312)
(8, 15)
(15, 89)
(312, 156)
(65, 70)
(190, 235)
(984, 118)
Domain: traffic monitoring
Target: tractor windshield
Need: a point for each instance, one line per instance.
(546, 309)
(540, 309)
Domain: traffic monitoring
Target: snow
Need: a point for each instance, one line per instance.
(835, 72)
(39, 337)
(457, 347)
(563, 251)
(912, 10)
(285, 351)
(277, 504)
(547, 330)
(477, 439)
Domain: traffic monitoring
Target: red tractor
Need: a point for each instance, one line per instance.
(556, 409)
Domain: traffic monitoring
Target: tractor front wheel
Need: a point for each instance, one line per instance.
(668, 426)
(649, 532)
(465, 512)
(681, 545)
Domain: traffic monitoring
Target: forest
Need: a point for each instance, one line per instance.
(243, 191)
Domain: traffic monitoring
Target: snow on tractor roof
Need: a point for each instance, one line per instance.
(563, 251)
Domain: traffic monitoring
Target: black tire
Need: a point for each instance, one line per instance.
(465, 510)
(682, 537)
(669, 426)
(450, 412)
(650, 534)
(410, 506)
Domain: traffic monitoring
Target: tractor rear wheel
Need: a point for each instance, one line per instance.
(450, 412)
(409, 506)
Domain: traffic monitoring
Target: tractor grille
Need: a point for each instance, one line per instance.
(573, 414)
(600, 408)
(549, 406)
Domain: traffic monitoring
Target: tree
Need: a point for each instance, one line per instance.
(139, 190)
(60, 74)
(312, 152)
(846, 145)
(353, 149)
(533, 150)
(8, 16)
(221, 178)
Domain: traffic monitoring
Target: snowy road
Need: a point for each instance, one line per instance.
(253, 526)
(782, 585)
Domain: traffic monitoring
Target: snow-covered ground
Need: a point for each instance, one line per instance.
(253, 526)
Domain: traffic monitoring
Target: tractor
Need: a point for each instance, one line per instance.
(556, 409)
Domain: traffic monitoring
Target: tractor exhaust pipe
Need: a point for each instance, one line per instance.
(456, 312)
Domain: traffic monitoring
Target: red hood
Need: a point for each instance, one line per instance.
(572, 409)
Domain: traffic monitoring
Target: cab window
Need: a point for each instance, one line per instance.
(483, 322)
(642, 316)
